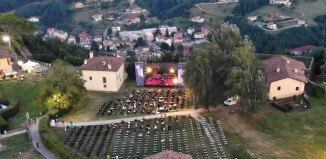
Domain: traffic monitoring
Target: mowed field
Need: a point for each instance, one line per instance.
(266, 11)
(273, 134)
(215, 12)
(312, 9)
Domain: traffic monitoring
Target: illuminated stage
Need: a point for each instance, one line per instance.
(159, 74)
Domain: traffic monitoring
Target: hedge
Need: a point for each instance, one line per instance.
(3, 125)
(13, 109)
(52, 142)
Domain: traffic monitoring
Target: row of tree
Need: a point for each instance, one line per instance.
(52, 49)
(226, 63)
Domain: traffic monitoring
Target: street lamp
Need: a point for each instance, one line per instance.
(175, 82)
(7, 39)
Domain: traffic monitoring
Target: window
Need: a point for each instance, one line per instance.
(296, 88)
(104, 79)
(104, 86)
(90, 78)
(279, 88)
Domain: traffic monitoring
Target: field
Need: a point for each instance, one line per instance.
(219, 9)
(273, 134)
(312, 9)
(25, 93)
(95, 100)
(16, 144)
(265, 12)
(180, 134)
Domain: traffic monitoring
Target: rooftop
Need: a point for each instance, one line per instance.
(103, 63)
(4, 54)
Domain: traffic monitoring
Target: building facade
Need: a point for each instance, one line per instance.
(5, 61)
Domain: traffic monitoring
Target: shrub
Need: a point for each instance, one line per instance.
(53, 113)
(52, 142)
(319, 90)
(3, 125)
(296, 99)
(13, 109)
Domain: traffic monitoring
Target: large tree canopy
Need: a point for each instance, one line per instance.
(62, 88)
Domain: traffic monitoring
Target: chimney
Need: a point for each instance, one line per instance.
(109, 66)
(103, 63)
(288, 61)
(296, 70)
(85, 61)
(91, 54)
(278, 69)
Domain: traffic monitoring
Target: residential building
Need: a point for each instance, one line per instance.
(84, 40)
(78, 5)
(135, 9)
(104, 73)
(178, 38)
(285, 2)
(199, 35)
(34, 19)
(163, 39)
(252, 18)
(271, 26)
(115, 28)
(71, 39)
(38, 32)
(97, 17)
(168, 154)
(60, 34)
(190, 30)
(301, 22)
(285, 77)
(205, 29)
(197, 19)
(5, 61)
(98, 38)
(110, 17)
(141, 49)
(300, 50)
(149, 36)
(50, 31)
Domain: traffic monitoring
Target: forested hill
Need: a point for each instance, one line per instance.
(8, 5)
(165, 9)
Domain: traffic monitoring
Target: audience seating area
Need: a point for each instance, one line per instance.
(145, 137)
(145, 101)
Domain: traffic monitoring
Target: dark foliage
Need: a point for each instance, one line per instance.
(52, 49)
(247, 6)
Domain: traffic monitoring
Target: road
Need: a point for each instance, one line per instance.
(107, 28)
(193, 112)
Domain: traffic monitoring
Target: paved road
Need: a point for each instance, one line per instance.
(99, 122)
(13, 133)
(36, 138)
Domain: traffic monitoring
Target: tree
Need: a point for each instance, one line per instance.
(62, 89)
(14, 26)
(140, 42)
(226, 36)
(247, 80)
(142, 17)
(95, 46)
(172, 48)
(164, 46)
(167, 33)
(167, 57)
(205, 74)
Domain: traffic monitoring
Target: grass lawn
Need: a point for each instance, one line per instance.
(273, 134)
(94, 101)
(16, 144)
(196, 12)
(265, 12)
(312, 9)
(219, 9)
(25, 93)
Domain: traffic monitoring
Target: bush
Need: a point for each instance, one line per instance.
(53, 113)
(13, 109)
(52, 142)
(296, 99)
(319, 90)
(3, 125)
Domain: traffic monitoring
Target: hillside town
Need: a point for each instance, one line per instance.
(162, 79)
